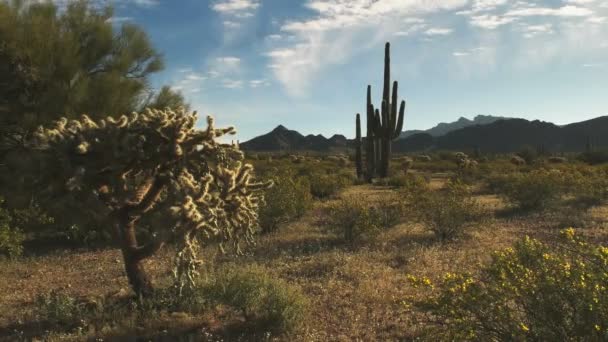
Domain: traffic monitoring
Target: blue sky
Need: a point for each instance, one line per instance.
(306, 63)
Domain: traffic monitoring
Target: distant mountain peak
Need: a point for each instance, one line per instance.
(280, 128)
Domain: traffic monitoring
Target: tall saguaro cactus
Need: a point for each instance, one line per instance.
(383, 125)
(392, 121)
(358, 153)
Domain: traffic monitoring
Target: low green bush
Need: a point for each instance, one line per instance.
(531, 292)
(11, 237)
(398, 180)
(534, 190)
(587, 187)
(287, 200)
(324, 186)
(59, 308)
(354, 219)
(270, 302)
(448, 212)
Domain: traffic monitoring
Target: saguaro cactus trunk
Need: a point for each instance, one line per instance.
(370, 141)
(358, 154)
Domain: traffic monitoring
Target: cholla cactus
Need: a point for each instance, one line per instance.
(158, 160)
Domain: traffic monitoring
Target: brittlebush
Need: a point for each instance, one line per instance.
(532, 291)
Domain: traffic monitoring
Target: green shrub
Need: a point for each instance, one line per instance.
(58, 308)
(587, 187)
(447, 212)
(594, 157)
(354, 219)
(537, 189)
(11, 237)
(270, 302)
(325, 186)
(388, 214)
(531, 292)
(287, 200)
(397, 181)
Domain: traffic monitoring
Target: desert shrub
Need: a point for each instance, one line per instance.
(388, 214)
(326, 186)
(396, 181)
(354, 219)
(529, 154)
(270, 302)
(446, 212)
(531, 292)
(587, 187)
(537, 189)
(288, 199)
(594, 157)
(11, 237)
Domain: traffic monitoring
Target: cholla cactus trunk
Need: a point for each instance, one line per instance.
(358, 153)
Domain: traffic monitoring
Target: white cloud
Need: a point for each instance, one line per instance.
(438, 31)
(146, 3)
(565, 11)
(594, 65)
(229, 62)
(234, 6)
(232, 84)
(531, 31)
(231, 24)
(119, 19)
(234, 12)
(258, 83)
(490, 22)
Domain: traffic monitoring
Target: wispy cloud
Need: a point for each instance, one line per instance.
(232, 84)
(438, 31)
(235, 11)
(235, 7)
(339, 29)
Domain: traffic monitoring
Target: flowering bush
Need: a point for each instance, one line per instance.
(533, 291)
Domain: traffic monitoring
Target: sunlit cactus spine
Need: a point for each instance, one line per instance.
(358, 152)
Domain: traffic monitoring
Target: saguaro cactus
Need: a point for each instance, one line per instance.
(383, 125)
(358, 161)
(392, 122)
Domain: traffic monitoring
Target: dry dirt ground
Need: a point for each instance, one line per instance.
(357, 293)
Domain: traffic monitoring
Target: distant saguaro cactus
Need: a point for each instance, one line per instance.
(383, 125)
(358, 153)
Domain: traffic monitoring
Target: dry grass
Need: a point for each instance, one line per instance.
(356, 293)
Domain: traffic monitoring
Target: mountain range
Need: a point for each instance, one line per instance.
(444, 128)
(488, 133)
